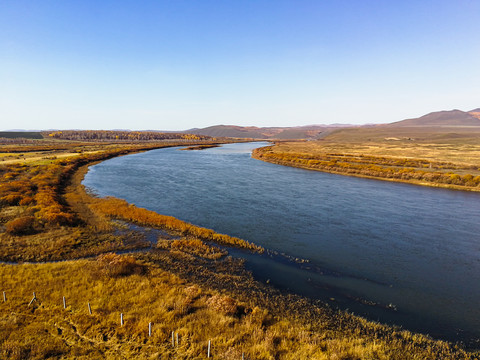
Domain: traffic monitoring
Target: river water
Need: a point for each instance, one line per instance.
(397, 253)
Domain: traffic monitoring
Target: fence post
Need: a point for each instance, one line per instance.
(4, 297)
(33, 299)
(208, 351)
(149, 329)
(89, 308)
(177, 338)
(64, 303)
(121, 319)
(173, 338)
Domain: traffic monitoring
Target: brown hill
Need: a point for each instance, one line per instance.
(475, 112)
(441, 118)
(288, 133)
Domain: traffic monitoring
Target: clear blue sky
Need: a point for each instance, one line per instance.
(174, 65)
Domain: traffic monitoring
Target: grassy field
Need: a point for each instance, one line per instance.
(185, 284)
(451, 162)
(454, 150)
(145, 294)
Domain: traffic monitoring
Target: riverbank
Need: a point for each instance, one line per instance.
(378, 161)
(183, 285)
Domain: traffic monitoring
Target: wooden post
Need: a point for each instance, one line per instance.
(121, 319)
(33, 299)
(149, 329)
(243, 356)
(64, 303)
(208, 351)
(177, 338)
(173, 338)
(4, 297)
(89, 308)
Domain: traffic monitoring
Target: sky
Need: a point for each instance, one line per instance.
(181, 64)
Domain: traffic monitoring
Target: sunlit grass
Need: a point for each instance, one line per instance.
(197, 314)
(441, 165)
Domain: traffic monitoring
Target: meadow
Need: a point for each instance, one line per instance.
(449, 162)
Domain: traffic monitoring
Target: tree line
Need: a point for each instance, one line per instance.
(112, 135)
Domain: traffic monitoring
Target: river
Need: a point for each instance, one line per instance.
(397, 253)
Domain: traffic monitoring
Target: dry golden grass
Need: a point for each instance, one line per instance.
(464, 154)
(45, 329)
(449, 165)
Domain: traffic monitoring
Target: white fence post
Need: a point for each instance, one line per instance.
(33, 299)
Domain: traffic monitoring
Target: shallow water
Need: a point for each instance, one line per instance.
(397, 253)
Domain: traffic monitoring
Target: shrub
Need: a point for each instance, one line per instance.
(223, 304)
(113, 265)
(21, 226)
(12, 199)
(27, 200)
(193, 292)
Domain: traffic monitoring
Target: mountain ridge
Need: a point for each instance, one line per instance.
(285, 133)
(442, 118)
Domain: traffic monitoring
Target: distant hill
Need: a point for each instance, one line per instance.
(442, 118)
(283, 133)
(475, 112)
(230, 131)
(441, 126)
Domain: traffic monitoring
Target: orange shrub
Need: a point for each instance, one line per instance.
(27, 200)
(12, 199)
(21, 226)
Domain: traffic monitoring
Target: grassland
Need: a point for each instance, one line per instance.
(446, 160)
(185, 284)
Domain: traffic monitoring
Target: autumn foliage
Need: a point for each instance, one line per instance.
(37, 189)
(109, 135)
